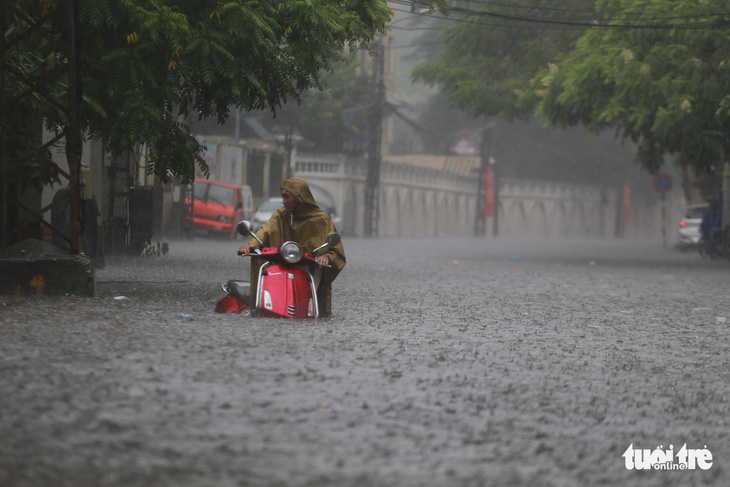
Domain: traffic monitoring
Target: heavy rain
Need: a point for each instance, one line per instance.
(533, 294)
(446, 362)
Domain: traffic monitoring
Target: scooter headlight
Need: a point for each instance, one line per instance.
(291, 252)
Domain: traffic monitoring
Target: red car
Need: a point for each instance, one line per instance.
(218, 206)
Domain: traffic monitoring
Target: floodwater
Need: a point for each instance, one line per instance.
(448, 362)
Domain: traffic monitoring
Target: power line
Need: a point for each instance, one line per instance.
(411, 29)
(623, 15)
(531, 7)
(691, 21)
(598, 16)
(506, 25)
(417, 44)
(449, 19)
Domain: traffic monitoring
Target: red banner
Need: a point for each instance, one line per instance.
(489, 194)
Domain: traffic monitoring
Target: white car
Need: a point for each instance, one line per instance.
(333, 215)
(689, 226)
(264, 212)
(268, 207)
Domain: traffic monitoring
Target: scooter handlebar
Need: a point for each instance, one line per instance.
(254, 253)
(257, 253)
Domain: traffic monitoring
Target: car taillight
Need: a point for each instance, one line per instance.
(683, 224)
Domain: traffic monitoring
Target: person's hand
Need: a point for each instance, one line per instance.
(323, 261)
(246, 249)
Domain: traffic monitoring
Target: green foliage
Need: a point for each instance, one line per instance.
(328, 118)
(149, 63)
(486, 62)
(653, 71)
(661, 87)
(28, 57)
(656, 71)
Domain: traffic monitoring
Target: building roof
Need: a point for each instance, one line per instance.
(260, 131)
(464, 165)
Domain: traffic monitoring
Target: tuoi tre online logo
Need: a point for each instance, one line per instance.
(659, 459)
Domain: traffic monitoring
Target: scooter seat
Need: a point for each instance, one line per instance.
(241, 290)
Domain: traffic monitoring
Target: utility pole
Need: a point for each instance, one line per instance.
(725, 197)
(73, 149)
(480, 217)
(495, 186)
(9, 203)
(486, 178)
(372, 181)
(4, 199)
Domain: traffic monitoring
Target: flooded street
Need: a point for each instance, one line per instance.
(448, 362)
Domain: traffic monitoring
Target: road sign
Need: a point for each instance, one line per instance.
(662, 182)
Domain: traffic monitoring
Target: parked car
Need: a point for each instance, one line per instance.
(333, 214)
(218, 206)
(264, 212)
(689, 226)
(268, 207)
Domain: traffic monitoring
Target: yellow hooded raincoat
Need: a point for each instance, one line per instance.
(309, 226)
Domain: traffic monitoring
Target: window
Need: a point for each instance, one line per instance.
(213, 193)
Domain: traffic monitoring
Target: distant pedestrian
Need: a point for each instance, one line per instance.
(711, 220)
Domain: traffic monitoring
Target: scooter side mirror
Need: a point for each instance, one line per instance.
(244, 227)
(333, 239)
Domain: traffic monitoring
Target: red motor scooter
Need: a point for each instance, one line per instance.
(285, 289)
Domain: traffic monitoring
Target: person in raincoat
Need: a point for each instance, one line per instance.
(711, 220)
(302, 221)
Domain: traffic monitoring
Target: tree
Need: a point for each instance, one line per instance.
(147, 64)
(329, 117)
(658, 75)
(655, 71)
(491, 51)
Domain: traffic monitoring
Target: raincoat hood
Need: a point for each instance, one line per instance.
(299, 188)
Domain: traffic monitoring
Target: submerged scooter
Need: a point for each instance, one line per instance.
(286, 286)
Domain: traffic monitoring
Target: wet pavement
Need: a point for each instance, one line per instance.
(448, 362)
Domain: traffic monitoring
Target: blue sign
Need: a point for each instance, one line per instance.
(663, 183)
